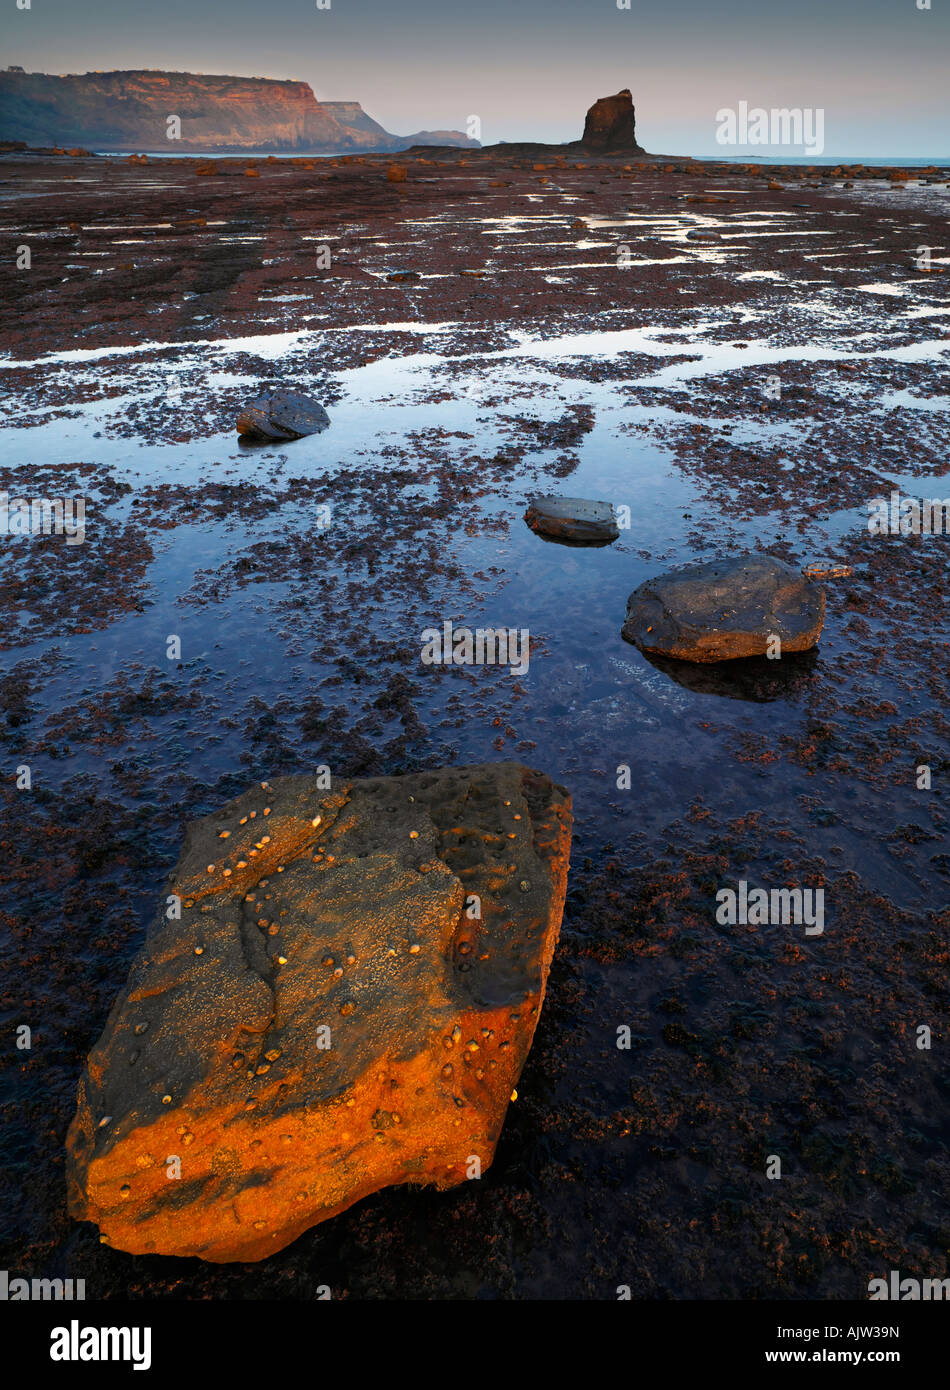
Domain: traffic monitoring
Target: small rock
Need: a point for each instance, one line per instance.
(281, 415)
(724, 609)
(572, 519)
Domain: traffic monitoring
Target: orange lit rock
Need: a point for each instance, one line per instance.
(346, 1002)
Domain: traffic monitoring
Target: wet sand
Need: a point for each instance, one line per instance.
(755, 391)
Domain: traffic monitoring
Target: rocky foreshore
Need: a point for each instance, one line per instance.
(738, 357)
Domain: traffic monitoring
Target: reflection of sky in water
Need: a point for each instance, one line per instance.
(589, 701)
(386, 397)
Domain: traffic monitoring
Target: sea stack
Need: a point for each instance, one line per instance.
(612, 125)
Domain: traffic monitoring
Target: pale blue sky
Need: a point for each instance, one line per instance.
(530, 68)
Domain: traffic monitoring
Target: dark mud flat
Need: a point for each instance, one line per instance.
(752, 392)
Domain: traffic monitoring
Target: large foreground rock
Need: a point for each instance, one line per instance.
(725, 609)
(329, 1015)
(612, 124)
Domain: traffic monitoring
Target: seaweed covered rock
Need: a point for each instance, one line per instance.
(345, 1002)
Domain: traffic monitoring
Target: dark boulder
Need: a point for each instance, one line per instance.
(572, 519)
(276, 416)
(724, 609)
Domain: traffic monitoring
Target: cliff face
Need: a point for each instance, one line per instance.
(130, 110)
(362, 129)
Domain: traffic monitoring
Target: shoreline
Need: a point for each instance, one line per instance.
(507, 152)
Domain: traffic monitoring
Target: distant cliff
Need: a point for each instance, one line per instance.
(130, 111)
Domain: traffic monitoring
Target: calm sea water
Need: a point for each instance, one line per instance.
(749, 157)
(241, 154)
(872, 161)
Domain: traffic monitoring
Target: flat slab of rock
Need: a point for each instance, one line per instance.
(276, 416)
(724, 609)
(572, 518)
(330, 1015)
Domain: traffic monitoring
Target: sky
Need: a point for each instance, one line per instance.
(529, 69)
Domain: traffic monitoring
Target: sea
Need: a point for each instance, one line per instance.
(749, 157)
